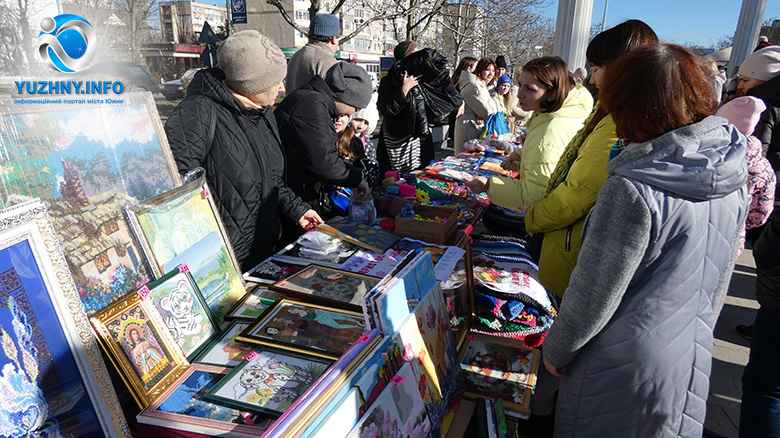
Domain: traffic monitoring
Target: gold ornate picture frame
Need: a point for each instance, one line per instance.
(138, 342)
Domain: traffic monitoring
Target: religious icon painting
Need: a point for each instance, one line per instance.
(304, 327)
(138, 342)
(225, 350)
(182, 407)
(53, 380)
(500, 368)
(183, 309)
(329, 286)
(269, 381)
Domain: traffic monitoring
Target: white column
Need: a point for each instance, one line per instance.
(748, 28)
(572, 30)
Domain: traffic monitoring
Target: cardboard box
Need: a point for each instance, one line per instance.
(428, 231)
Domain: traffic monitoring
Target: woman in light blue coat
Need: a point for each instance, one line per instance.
(633, 340)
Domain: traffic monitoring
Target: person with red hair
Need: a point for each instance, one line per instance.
(633, 338)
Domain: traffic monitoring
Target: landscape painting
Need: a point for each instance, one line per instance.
(87, 163)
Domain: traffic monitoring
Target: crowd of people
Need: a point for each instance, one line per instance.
(643, 193)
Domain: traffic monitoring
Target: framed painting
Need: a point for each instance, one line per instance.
(253, 304)
(308, 328)
(458, 292)
(178, 299)
(53, 379)
(225, 350)
(140, 345)
(268, 381)
(398, 411)
(328, 286)
(184, 226)
(182, 407)
(500, 368)
(272, 270)
(320, 248)
(87, 163)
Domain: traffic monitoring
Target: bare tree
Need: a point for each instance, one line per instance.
(462, 29)
(17, 35)
(136, 14)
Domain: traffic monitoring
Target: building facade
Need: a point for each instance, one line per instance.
(182, 21)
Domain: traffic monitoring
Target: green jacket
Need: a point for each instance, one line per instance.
(561, 214)
(548, 135)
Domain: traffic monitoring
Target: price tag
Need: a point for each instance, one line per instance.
(183, 268)
(397, 380)
(364, 338)
(251, 355)
(206, 194)
(144, 292)
(472, 337)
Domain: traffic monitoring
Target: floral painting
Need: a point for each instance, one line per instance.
(308, 327)
(329, 284)
(179, 302)
(398, 412)
(88, 163)
(227, 350)
(269, 382)
(498, 368)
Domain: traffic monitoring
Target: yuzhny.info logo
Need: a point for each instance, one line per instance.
(67, 42)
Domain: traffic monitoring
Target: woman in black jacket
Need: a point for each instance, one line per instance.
(226, 125)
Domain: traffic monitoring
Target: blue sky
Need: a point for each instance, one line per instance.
(699, 22)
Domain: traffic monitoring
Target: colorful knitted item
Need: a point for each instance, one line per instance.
(503, 309)
(529, 340)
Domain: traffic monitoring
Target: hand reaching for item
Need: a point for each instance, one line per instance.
(310, 220)
(512, 162)
(409, 82)
(478, 184)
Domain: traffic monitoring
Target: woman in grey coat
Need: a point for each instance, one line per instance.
(633, 340)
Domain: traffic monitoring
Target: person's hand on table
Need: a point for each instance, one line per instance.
(310, 220)
(512, 162)
(557, 372)
(478, 184)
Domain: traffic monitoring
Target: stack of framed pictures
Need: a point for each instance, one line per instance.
(327, 286)
(184, 226)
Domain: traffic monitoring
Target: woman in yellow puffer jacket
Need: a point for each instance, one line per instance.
(575, 183)
(560, 108)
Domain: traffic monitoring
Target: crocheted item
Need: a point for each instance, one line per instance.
(533, 340)
(498, 238)
(504, 251)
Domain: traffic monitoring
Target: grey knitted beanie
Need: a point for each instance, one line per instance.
(252, 62)
(349, 84)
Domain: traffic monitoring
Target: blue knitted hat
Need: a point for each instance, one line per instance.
(504, 79)
(324, 25)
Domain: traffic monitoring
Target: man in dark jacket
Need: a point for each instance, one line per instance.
(415, 91)
(226, 125)
(306, 118)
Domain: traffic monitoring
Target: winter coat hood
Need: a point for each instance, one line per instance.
(701, 161)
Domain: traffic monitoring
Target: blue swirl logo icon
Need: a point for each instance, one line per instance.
(67, 42)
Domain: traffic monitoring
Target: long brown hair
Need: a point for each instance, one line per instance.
(465, 64)
(553, 74)
(343, 143)
(610, 45)
(482, 65)
(655, 89)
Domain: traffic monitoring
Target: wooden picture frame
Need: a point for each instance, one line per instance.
(140, 345)
(515, 385)
(322, 331)
(185, 312)
(181, 407)
(87, 162)
(225, 350)
(184, 226)
(268, 381)
(50, 356)
(327, 286)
